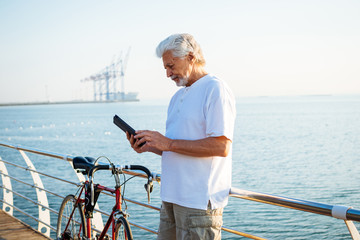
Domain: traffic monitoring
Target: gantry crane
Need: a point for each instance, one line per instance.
(106, 81)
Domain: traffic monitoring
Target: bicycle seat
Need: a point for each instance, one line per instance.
(83, 163)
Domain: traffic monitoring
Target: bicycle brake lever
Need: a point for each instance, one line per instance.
(149, 188)
(148, 192)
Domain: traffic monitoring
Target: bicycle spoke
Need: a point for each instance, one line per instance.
(70, 226)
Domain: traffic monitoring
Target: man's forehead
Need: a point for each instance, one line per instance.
(168, 58)
(168, 55)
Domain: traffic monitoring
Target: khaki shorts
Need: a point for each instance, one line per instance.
(181, 223)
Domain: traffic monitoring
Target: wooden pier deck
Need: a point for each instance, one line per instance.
(13, 229)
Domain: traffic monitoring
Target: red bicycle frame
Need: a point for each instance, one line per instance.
(111, 219)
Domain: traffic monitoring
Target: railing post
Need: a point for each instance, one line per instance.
(44, 214)
(7, 194)
(352, 229)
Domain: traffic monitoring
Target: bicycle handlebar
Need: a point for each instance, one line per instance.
(88, 166)
(120, 168)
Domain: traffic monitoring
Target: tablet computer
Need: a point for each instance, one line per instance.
(125, 127)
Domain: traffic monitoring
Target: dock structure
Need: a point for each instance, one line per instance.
(13, 229)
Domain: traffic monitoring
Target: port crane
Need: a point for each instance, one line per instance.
(106, 81)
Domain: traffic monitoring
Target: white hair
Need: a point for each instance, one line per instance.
(181, 45)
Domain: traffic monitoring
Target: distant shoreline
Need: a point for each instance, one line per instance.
(146, 100)
(62, 102)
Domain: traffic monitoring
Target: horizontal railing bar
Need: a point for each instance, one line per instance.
(241, 233)
(96, 230)
(353, 214)
(298, 204)
(38, 151)
(102, 212)
(142, 204)
(33, 186)
(44, 174)
(143, 227)
(142, 175)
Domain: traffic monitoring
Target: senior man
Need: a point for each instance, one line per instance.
(196, 149)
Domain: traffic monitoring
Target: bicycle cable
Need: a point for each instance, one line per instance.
(123, 187)
(79, 189)
(102, 157)
(97, 159)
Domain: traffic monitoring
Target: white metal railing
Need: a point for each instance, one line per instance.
(341, 212)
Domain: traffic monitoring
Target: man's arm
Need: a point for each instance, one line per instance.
(157, 143)
(207, 147)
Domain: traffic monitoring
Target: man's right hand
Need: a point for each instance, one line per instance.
(134, 143)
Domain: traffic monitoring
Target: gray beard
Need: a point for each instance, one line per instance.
(182, 82)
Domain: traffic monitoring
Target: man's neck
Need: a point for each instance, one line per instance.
(197, 73)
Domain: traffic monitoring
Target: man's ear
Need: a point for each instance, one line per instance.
(191, 57)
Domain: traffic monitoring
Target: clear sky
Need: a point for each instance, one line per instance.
(260, 48)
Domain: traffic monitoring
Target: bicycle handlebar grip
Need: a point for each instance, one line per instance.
(141, 168)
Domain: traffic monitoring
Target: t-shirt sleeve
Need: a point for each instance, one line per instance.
(220, 111)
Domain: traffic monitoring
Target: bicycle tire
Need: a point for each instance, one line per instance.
(123, 230)
(76, 229)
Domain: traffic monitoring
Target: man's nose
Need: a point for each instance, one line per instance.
(168, 73)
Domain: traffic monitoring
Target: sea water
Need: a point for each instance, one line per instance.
(304, 147)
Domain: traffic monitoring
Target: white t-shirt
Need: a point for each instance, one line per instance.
(205, 109)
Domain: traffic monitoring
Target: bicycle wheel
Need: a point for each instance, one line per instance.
(123, 230)
(76, 228)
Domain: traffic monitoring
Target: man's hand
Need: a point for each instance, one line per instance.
(133, 142)
(154, 141)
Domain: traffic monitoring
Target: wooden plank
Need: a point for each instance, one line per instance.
(13, 229)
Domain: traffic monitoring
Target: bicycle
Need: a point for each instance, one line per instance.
(76, 211)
